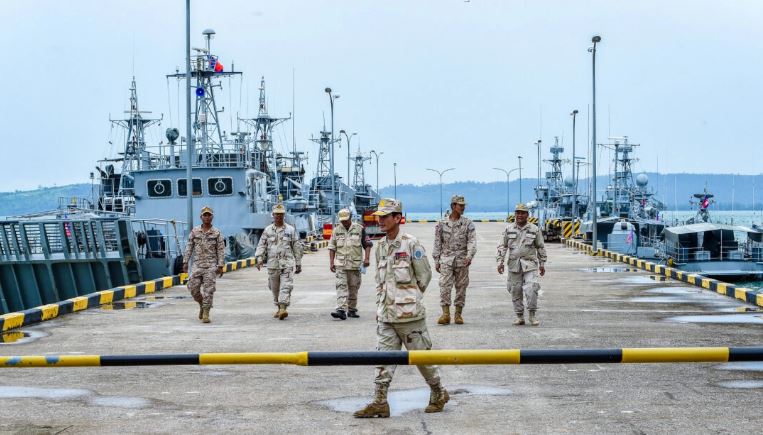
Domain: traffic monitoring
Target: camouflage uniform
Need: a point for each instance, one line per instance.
(280, 249)
(402, 275)
(526, 254)
(454, 243)
(348, 245)
(208, 251)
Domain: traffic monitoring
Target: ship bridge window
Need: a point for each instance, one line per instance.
(217, 186)
(159, 188)
(183, 190)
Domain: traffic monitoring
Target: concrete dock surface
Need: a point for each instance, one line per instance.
(586, 302)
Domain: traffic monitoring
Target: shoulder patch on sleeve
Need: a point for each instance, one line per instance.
(418, 253)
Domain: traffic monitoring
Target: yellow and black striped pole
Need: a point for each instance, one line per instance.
(414, 357)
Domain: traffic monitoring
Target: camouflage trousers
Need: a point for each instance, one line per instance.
(281, 282)
(347, 285)
(450, 276)
(201, 283)
(524, 283)
(415, 336)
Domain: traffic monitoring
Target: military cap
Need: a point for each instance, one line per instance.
(521, 207)
(205, 210)
(279, 209)
(387, 206)
(457, 199)
(344, 214)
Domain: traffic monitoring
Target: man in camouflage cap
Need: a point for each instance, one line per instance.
(523, 242)
(455, 244)
(402, 276)
(207, 247)
(281, 251)
(349, 249)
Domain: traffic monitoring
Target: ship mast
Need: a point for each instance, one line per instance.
(136, 157)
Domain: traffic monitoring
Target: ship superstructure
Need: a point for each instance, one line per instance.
(237, 174)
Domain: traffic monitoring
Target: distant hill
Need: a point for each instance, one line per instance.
(42, 199)
(673, 189)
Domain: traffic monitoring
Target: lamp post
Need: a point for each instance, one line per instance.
(189, 138)
(508, 197)
(331, 154)
(596, 39)
(347, 138)
(377, 169)
(537, 144)
(440, 173)
(394, 175)
(520, 178)
(574, 180)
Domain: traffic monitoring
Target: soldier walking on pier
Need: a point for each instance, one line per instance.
(207, 247)
(402, 276)
(523, 242)
(349, 249)
(455, 245)
(281, 251)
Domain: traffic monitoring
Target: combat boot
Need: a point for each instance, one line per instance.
(437, 399)
(282, 314)
(353, 313)
(205, 314)
(339, 314)
(275, 315)
(445, 318)
(378, 408)
(458, 319)
(520, 320)
(534, 320)
(201, 312)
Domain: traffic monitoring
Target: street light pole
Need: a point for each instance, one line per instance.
(347, 138)
(520, 178)
(331, 153)
(596, 39)
(377, 169)
(189, 140)
(440, 174)
(574, 156)
(394, 175)
(508, 194)
(538, 145)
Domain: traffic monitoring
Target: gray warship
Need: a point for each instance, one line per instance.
(239, 174)
(558, 205)
(628, 218)
(717, 250)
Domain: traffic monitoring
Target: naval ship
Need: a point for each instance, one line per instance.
(628, 217)
(722, 251)
(239, 174)
(558, 206)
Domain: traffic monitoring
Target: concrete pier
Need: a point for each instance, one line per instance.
(586, 302)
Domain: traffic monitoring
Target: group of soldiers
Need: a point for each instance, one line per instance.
(402, 274)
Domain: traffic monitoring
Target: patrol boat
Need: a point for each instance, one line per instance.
(558, 206)
(727, 252)
(239, 174)
(328, 193)
(366, 198)
(629, 218)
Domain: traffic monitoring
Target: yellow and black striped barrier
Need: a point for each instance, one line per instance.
(742, 293)
(414, 357)
(318, 244)
(50, 311)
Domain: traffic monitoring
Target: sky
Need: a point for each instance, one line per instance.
(430, 83)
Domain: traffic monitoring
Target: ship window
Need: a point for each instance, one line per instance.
(220, 186)
(183, 191)
(159, 188)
